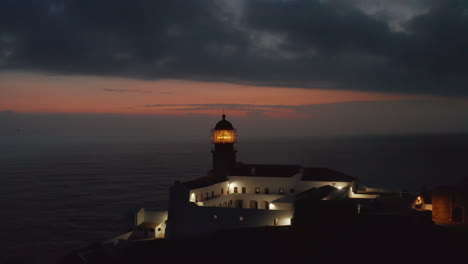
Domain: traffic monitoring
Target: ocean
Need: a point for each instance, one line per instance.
(57, 196)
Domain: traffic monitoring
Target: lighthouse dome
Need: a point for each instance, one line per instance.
(224, 124)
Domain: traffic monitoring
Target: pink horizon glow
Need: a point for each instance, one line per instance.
(32, 92)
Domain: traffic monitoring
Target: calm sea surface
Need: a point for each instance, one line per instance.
(56, 197)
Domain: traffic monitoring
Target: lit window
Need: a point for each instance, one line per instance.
(244, 190)
(241, 218)
(235, 189)
(257, 190)
(281, 191)
(215, 217)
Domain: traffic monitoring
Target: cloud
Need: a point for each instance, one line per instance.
(126, 91)
(275, 110)
(219, 106)
(6, 112)
(396, 46)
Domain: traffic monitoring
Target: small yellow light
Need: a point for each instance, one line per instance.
(418, 200)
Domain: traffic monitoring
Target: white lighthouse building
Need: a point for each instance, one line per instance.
(237, 195)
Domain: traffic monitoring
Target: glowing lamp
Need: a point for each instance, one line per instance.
(193, 198)
(224, 136)
(419, 200)
(224, 132)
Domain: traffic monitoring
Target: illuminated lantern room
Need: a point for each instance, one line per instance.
(224, 132)
(223, 137)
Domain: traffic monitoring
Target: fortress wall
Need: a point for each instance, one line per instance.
(204, 220)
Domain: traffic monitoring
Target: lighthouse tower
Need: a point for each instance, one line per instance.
(224, 137)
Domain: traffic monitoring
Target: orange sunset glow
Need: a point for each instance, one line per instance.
(27, 92)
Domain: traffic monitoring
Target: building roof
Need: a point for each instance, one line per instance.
(313, 193)
(203, 182)
(325, 174)
(266, 170)
(320, 192)
(262, 170)
(224, 124)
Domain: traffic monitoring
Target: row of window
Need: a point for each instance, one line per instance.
(207, 195)
(266, 190)
(241, 219)
(240, 204)
(236, 190)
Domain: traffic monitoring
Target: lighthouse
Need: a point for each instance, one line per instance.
(240, 195)
(223, 136)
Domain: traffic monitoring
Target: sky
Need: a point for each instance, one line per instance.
(277, 68)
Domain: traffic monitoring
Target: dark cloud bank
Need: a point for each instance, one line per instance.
(304, 43)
